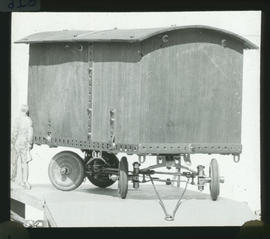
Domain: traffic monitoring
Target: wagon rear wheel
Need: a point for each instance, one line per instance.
(96, 166)
(214, 177)
(123, 178)
(66, 171)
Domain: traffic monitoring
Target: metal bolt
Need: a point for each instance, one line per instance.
(223, 42)
(221, 179)
(168, 181)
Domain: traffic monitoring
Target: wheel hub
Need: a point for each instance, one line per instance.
(98, 165)
(97, 169)
(64, 171)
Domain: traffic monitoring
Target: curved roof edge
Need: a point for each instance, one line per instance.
(121, 35)
(248, 44)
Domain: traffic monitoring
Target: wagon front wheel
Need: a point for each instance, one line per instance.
(214, 179)
(123, 178)
(66, 171)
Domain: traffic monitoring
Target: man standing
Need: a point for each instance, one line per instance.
(22, 140)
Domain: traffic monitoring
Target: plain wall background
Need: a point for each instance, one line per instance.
(242, 180)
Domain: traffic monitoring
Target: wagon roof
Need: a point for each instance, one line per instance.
(119, 35)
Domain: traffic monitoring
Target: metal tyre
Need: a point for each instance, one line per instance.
(103, 180)
(214, 176)
(123, 178)
(66, 171)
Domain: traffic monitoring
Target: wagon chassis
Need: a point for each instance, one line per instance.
(168, 161)
(100, 168)
(102, 174)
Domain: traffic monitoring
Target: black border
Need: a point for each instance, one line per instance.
(5, 25)
(102, 5)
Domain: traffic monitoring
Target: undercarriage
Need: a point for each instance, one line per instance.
(67, 171)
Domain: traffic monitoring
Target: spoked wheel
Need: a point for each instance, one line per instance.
(123, 178)
(96, 175)
(214, 176)
(66, 171)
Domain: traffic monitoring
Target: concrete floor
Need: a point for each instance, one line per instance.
(89, 206)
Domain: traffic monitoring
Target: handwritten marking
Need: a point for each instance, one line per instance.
(19, 5)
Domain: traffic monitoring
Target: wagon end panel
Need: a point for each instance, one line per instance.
(58, 92)
(191, 88)
(116, 93)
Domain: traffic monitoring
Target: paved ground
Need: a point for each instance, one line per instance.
(89, 206)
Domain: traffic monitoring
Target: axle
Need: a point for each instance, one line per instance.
(138, 175)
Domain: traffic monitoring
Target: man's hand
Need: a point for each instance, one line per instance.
(30, 146)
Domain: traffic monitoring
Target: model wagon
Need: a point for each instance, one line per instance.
(168, 92)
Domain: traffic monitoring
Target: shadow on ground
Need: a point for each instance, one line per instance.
(147, 192)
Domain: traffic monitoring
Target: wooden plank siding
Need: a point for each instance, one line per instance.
(116, 86)
(58, 90)
(191, 89)
(186, 90)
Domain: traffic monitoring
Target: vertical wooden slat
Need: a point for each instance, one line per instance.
(116, 86)
(58, 89)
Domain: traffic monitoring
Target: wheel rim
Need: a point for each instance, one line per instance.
(123, 178)
(214, 183)
(66, 171)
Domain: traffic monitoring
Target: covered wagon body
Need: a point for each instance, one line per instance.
(145, 91)
(169, 92)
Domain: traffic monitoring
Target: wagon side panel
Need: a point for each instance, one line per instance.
(58, 92)
(116, 87)
(191, 88)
